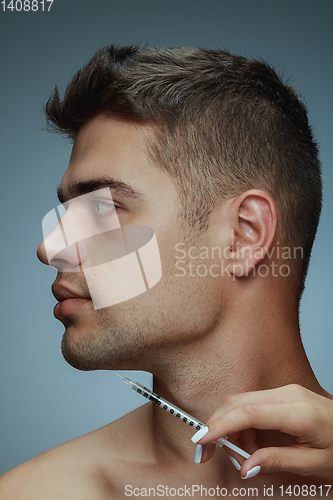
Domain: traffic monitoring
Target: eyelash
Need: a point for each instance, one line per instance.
(111, 209)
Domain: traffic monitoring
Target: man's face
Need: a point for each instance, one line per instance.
(134, 333)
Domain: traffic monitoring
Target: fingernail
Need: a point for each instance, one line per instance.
(199, 435)
(235, 462)
(198, 454)
(252, 472)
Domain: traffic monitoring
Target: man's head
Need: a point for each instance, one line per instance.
(209, 150)
(222, 125)
(113, 153)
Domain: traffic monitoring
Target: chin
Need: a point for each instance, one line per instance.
(86, 352)
(76, 357)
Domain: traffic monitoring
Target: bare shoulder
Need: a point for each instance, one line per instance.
(84, 468)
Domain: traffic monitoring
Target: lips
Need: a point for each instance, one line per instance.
(69, 301)
(62, 293)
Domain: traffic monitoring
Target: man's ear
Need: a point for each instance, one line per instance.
(252, 231)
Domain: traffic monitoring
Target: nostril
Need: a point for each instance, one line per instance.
(67, 260)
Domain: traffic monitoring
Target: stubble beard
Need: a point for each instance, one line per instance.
(104, 339)
(104, 344)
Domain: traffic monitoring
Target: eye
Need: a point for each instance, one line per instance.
(103, 208)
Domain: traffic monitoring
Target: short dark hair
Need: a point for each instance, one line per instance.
(223, 124)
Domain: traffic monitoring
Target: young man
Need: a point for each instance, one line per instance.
(215, 154)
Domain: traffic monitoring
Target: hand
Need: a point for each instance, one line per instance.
(291, 409)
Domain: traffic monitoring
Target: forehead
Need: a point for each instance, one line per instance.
(113, 148)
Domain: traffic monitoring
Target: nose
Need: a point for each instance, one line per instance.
(41, 253)
(54, 249)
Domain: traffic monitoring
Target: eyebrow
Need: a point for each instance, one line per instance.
(83, 187)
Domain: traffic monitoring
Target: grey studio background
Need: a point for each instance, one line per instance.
(44, 401)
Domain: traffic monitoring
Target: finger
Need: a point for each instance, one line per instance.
(232, 447)
(287, 418)
(207, 452)
(296, 459)
(247, 440)
(287, 394)
(209, 449)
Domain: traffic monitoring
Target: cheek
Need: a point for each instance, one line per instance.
(183, 303)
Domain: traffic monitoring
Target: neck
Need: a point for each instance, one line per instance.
(253, 351)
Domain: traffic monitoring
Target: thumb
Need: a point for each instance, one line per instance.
(297, 459)
(207, 452)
